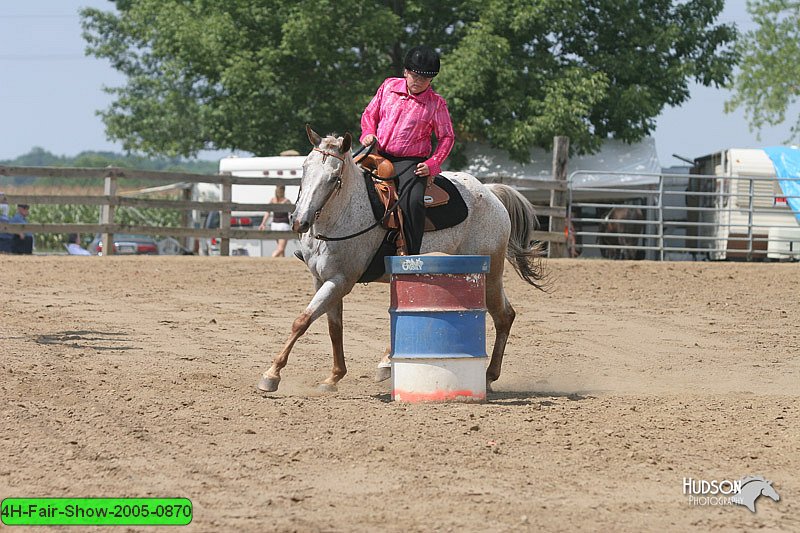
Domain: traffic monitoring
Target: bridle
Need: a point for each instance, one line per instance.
(326, 153)
(337, 187)
(335, 190)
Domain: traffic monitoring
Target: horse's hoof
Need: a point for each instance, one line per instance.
(382, 373)
(489, 386)
(268, 384)
(327, 387)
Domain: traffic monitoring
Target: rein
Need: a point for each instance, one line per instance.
(388, 212)
(338, 187)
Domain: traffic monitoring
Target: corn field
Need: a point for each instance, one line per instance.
(88, 214)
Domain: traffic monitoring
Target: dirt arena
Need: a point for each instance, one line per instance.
(135, 376)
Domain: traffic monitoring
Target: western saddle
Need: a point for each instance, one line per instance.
(384, 180)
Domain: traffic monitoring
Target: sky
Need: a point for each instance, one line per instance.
(50, 91)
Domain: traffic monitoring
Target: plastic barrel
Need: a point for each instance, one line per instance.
(438, 327)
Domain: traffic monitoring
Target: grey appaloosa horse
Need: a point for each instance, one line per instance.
(333, 202)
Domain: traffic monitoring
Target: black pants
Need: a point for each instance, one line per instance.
(411, 189)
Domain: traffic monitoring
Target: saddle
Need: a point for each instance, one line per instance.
(381, 170)
(381, 185)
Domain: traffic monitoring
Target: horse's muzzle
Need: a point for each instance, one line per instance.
(298, 227)
(295, 225)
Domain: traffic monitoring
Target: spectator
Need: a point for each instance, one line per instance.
(74, 245)
(22, 243)
(280, 219)
(5, 238)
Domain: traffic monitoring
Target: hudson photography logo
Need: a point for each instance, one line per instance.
(743, 491)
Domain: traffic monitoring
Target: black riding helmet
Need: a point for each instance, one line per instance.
(422, 60)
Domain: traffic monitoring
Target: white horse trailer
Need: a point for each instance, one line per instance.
(256, 167)
(750, 218)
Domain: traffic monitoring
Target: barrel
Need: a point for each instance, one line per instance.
(438, 327)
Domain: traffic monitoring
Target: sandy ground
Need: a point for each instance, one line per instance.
(134, 377)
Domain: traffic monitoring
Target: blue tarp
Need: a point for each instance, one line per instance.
(786, 161)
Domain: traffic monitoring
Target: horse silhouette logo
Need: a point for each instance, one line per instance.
(752, 488)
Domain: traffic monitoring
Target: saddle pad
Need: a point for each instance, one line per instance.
(450, 214)
(377, 267)
(442, 217)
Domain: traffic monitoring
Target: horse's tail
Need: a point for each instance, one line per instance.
(523, 252)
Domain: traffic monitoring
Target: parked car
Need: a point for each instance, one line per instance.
(238, 246)
(125, 244)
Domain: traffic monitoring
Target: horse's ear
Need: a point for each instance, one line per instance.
(346, 143)
(313, 136)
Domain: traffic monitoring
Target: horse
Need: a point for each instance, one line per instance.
(752, 488)
(621, 234)
(339, 236)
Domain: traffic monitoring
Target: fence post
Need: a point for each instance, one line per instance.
(661, 253)
(107, 211)
(750, 205)
(225, 217)
(558, 198)
(186, 220)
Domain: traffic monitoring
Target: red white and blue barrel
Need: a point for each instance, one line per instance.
(438, 317)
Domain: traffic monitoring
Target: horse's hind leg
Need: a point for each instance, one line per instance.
(384, 369)
(503, 316)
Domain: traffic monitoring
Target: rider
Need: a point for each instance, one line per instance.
(401, 117)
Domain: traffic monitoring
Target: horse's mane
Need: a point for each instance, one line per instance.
(748, 479)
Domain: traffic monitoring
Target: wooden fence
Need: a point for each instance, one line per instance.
(112, 199)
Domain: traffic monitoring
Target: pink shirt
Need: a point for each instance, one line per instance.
(403, 122)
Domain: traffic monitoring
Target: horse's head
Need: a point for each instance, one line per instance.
(769, 491)
(322, 176)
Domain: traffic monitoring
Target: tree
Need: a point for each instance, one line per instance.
(768, 82)
(247, 74)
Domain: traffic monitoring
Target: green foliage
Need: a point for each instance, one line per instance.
(90, 214)
(248, 74)
(39, 157)
(769, 80)
(61, 214)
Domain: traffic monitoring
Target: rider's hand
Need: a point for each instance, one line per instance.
(422, 170)
(369, 139)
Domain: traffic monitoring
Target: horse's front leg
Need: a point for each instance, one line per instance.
(328, 293)
(335, 328)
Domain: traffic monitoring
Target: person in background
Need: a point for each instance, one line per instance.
(22, 243)
(280, 219)
(74, 245)
(5, 238)
(400, 119)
